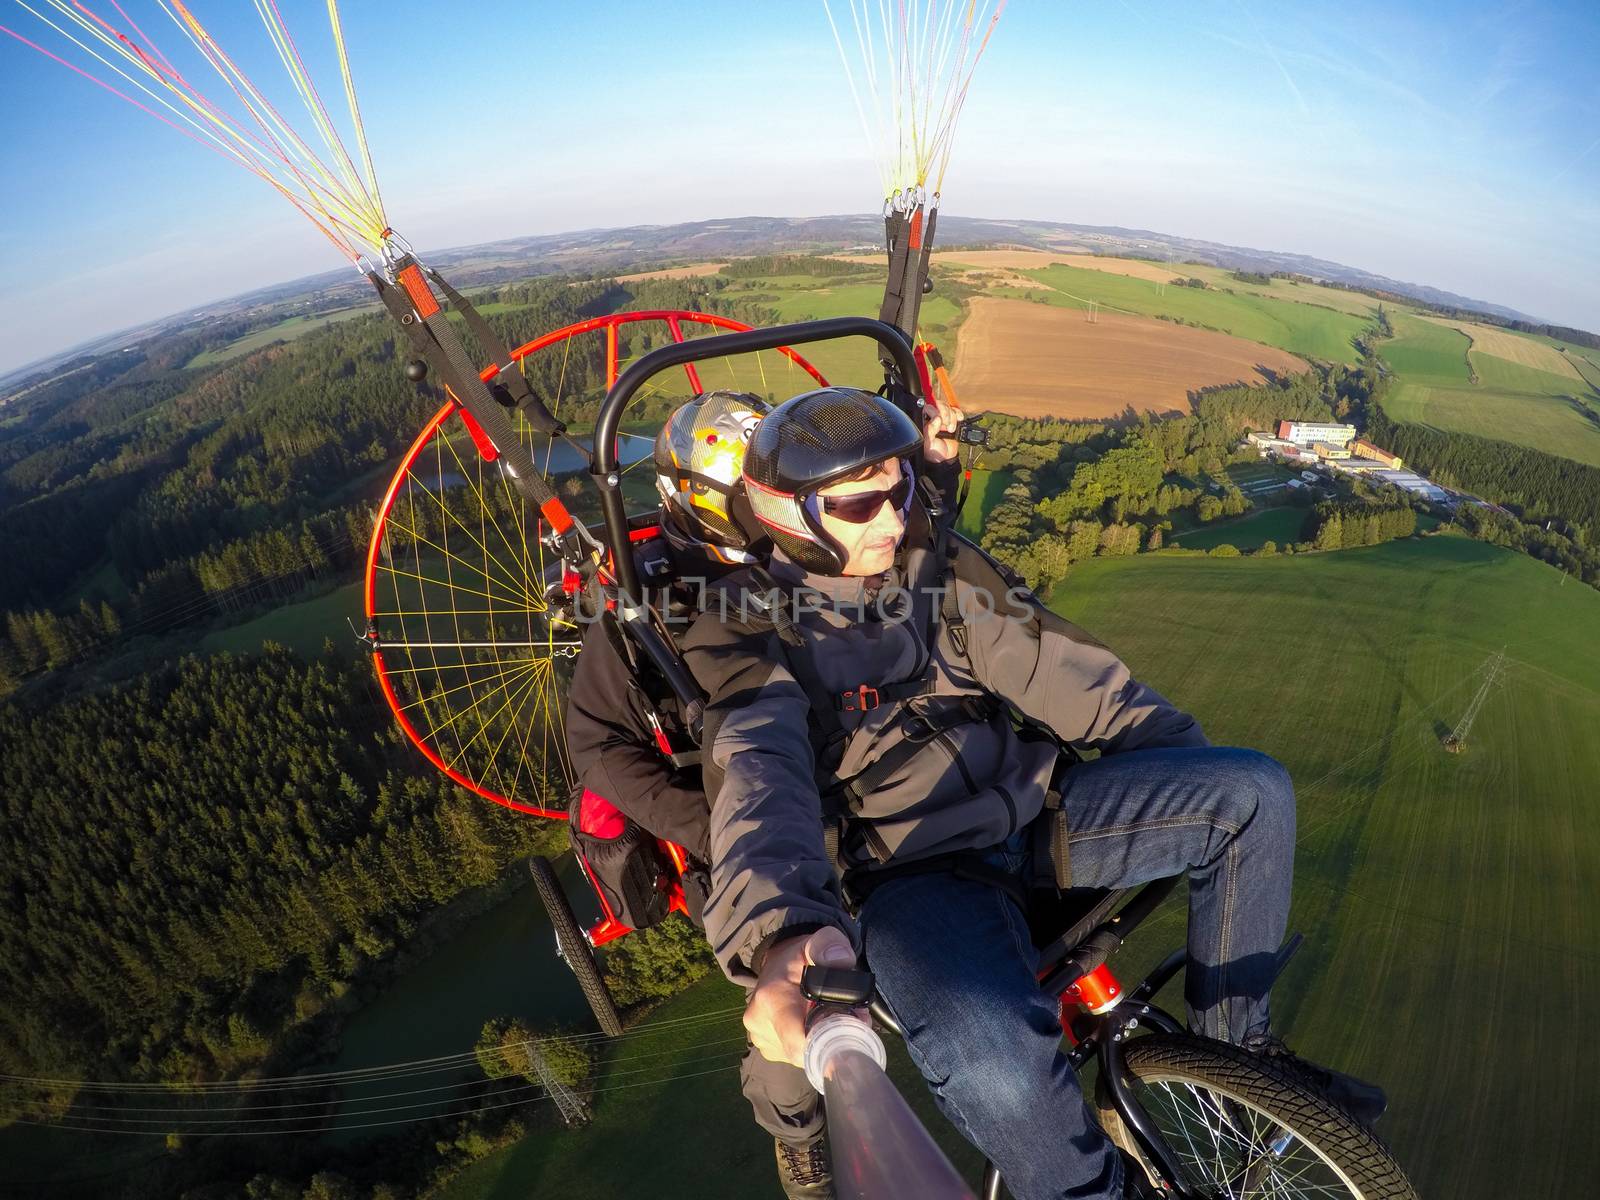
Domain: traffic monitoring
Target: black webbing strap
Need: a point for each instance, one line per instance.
(518, 393)
(950, 605)
(487, 338)
(412, 301)
(924, 258)
(925, 538)
(963, 864)
(865, 697)
(895, 231)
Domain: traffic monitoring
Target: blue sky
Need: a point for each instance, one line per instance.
(1456, 145)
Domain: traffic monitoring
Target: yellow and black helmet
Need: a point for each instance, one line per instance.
(699, 459)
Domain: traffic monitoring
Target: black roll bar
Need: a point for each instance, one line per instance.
(607, 471)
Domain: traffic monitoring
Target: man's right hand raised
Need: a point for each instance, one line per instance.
(775, 1017)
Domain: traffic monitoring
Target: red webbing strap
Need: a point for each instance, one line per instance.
(417, 289)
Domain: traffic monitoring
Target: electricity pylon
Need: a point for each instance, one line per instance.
(1456, 740)
(568, 1102)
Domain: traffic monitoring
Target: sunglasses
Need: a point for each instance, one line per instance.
(861, 507)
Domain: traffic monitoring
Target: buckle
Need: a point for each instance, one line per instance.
(862, 699)
(979, 709)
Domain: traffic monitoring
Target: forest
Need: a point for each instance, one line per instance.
(203, 860)
(212, 490)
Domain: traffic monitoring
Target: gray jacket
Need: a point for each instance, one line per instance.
(969, 787)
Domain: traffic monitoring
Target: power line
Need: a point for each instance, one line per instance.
(277, 1106)
(421, 1066)
(319, 1126)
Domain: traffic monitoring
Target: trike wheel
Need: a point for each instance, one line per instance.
(573, 947)
(1242, 1129)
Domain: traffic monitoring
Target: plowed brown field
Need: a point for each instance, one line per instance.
(689, 272)
(1033, 360)
(1029, 260)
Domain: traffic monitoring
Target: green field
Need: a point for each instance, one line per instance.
(1259, 477)
(1509, 401)
(1585, 358)
(1280, 525)
(284, 331)
(1353, 303)
(987, 488)
(805, 298)
(1298, 328)
(301, 627)
(1425, 352)
(1448, 901)
(669, 1120)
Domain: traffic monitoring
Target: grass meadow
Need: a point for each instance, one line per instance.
(1511, 401)
(1279, 525)
(986, 490)
(284, 331)
(1447, 900)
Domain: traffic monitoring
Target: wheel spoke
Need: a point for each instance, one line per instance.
(1234, 1147)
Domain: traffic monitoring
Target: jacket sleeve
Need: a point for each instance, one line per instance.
(771, 877)
(614, 753)
(1054, 673)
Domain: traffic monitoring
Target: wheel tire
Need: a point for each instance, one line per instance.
(573, 947)
(1360, 1160)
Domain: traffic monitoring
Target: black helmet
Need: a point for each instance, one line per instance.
(808, 442)
(699, 456)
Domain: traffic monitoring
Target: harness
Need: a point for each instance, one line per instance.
(660, 704)
(928, 570)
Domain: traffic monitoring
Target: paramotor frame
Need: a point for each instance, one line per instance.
(466, 597)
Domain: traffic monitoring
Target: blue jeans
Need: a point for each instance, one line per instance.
(955, 964)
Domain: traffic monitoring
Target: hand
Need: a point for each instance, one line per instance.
(939, 442)
(775, 1017)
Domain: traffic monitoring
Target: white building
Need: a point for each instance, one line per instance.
(1305, 433)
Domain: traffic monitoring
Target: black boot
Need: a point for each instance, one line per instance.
(1365, 1102)
(804, 1171)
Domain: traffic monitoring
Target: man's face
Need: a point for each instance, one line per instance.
(869, 546)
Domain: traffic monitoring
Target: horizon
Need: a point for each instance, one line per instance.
(1357, 140)
(17, 368)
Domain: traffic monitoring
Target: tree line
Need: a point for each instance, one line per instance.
(1345, 524)
(1559, 496)
(765, 265)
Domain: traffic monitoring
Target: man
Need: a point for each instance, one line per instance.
(612, 719)
(915, 726)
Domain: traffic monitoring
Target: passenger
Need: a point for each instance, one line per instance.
(916, 740)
